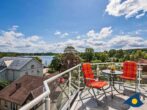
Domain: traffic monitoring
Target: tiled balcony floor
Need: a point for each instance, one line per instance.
(108, 103)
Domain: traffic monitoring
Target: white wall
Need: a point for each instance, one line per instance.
(3, 75)
(36, 71)
(27, 69)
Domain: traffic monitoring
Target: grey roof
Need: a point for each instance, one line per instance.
(17, 63)
(2, 68)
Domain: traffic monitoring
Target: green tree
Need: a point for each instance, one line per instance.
(119, 53)
(145, 56)
(38, 59)
(138, 54)
(104, 56)
(3, 84)
(112, 52)
(89, 54)
(56, 63)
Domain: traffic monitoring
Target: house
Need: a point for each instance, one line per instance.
(20, 92)
(12, 68)
(23, 90)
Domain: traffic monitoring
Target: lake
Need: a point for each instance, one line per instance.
(46, 60)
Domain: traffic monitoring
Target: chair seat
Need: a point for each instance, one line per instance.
(97, 84)
(127, 78)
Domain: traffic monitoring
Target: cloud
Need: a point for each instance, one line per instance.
(57, 33)
(127, 8)
(14, 41)
(78, 37)
(14, 28)
(140, 15)
(60, 34)
(64, 35)
(126, 42)
(104, 32)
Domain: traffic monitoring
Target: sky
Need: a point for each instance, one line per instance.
(51, 25)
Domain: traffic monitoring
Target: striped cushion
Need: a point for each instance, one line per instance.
(129, 70)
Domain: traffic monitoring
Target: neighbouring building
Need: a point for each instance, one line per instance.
(25, 89)
(20, 92)
(12, 68)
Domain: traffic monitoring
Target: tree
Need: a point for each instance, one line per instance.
(70, 58)
(112, 52)
(145, 56)
(3, 84)
(103, 56)
(89, 54)
(70, 49)
(119, 53)
(56, 63)
(38, 59)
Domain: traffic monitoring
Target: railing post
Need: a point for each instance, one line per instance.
(139, 76)
(97, 70)
(69, 87)
(79, 76)
(47, 103)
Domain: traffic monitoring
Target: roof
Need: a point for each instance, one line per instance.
(2, 68)
(28, 85)
(15, 63)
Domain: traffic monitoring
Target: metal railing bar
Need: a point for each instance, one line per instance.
(35, 101)
(68, 102)
(59, 75)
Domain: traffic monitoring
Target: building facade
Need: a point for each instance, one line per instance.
(20, 92)
(13, 68)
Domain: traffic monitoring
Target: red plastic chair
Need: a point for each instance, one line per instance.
(130, 72)
(90, 81)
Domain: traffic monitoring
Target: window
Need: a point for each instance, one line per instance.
(38, 71)
(32, 66)
(13, 106)
(26, 73)
(5, 102)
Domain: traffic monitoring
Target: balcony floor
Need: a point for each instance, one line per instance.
(108, 103)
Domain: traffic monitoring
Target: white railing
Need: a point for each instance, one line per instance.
(45, 95)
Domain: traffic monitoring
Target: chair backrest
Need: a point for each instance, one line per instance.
(130, 69)
(87, 71)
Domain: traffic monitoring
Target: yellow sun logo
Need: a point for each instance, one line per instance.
(134, 101)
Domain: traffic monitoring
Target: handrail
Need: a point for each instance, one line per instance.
(47, 90)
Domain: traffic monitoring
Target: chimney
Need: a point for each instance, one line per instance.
(18, 85)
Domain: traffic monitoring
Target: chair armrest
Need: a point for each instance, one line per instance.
(89, 79)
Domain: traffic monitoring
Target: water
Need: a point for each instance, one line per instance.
(46, 60)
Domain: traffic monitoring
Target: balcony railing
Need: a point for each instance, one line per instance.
(60, 90)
